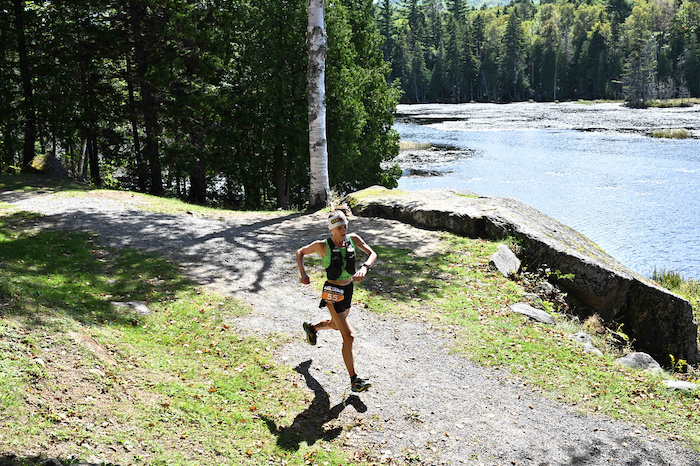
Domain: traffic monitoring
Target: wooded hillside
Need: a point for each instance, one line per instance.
(634, 50)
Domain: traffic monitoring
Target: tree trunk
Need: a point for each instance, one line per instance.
(554, 90)
(93, 159)
(89, 84)
(83, 158)
(198, 183)
(27, 89)
(198, 179)
(148, 104)
(318, 145)
(140, 168)
(280, 178)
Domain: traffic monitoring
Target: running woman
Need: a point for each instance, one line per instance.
(338, 258)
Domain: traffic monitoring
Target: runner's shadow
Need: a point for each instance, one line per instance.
(308, 426)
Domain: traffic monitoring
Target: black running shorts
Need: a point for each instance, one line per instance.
(341, 306)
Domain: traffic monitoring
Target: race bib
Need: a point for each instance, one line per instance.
(332, 293)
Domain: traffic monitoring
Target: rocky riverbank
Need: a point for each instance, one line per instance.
(659, 322)
(602, 117)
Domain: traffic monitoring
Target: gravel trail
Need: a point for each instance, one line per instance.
(426, 405)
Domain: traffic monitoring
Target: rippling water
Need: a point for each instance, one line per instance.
(634, 196)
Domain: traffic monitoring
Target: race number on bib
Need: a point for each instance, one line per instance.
(332, 293)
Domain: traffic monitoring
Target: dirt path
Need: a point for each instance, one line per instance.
(426, 405)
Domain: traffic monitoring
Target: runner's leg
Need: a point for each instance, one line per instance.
(340, 322)
(329, 324)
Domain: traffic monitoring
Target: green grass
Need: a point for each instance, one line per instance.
(34, 183)
(670, 134)
(160, 204)
(598, 101)
(177, 387)
(186, 384)
(458, 292)
(69, 188)
(670, 103)
(412, 145)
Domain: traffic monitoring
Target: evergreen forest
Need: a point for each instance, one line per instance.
(632, 50)
(205, 100)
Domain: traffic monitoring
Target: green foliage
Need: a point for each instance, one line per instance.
(205, 101)
(680, 365)
(360, 102)
(638, 51)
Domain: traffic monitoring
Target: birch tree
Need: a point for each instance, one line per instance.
(318, 144)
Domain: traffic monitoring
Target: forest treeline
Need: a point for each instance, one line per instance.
(200, 99)
(636, 50)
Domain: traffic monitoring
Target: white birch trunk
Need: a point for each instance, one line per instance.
(318, 145)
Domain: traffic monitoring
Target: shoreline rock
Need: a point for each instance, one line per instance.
(657, 321)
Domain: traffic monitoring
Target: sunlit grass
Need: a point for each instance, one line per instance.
(458, 292)
(671, 134)
(671, 103)
(186, 365)
(183, 387)
(412, 145)
(68, 188)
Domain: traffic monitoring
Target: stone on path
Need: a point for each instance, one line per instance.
(681, 385)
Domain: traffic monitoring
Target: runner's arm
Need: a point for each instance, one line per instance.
(315, 247)
(362, 271)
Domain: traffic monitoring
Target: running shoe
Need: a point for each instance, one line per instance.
(310, 333)
(359, 385)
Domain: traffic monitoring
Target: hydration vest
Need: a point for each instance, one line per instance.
(340, 262)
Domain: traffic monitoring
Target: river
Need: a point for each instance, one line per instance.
(592, 167)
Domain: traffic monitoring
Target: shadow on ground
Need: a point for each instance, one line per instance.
(309, 425)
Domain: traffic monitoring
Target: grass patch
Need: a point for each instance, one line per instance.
(82, 378)
(672, 103)
(355, 198)
(670, 134)
(68, 188)
(598, 101)
(165, 205)
(35, 183)
(187, 389)
(460, 293)
(412, 145)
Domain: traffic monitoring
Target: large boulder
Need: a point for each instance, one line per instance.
(48, 165)
(659, 322)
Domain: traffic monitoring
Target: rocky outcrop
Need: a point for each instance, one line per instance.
(659, 322)
(48, 165)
